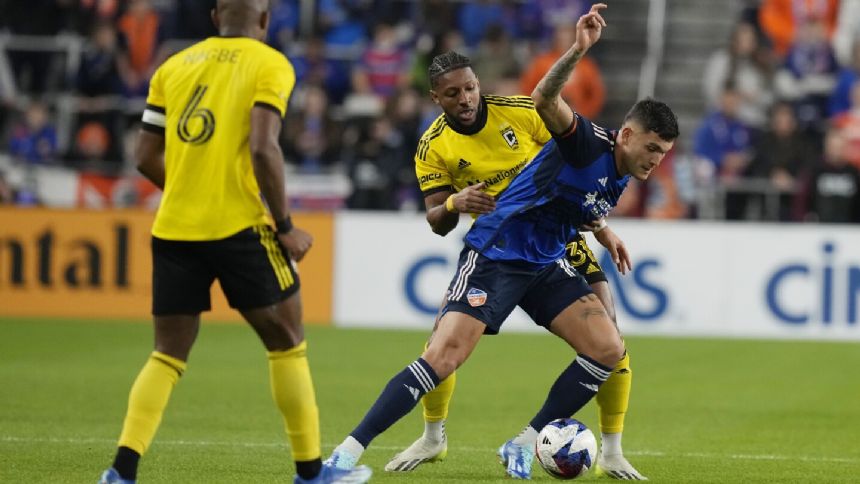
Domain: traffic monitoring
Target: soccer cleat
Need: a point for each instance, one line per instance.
(421, 451)
(111, 476)
(517, 459)
(332, 475)
(617, 467)
(341, 459)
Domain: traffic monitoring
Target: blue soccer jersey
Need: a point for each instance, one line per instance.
(572, 181)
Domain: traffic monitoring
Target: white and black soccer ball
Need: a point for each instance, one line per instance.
(566, 448)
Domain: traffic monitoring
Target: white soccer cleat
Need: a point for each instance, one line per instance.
(421, 451)
(617, 467)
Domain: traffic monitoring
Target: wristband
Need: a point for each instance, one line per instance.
(284, 226)
(600, 227)
(449, 204)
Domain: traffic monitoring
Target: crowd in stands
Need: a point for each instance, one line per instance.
(783, 96)
(784, 101)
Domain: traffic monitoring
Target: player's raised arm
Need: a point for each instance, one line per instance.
(554, 111)
(268, 162)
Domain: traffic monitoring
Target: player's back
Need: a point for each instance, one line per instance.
(202, 97)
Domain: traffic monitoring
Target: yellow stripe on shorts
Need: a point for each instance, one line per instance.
(276, 258)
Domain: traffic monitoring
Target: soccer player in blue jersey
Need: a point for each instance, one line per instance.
(515, 255)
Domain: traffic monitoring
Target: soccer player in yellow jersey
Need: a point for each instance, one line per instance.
(467, 157)
(214, 112)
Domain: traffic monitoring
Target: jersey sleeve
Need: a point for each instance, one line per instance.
(538, 128)
(579, 145)
(433, 175)
(275, 83)
(154, 115)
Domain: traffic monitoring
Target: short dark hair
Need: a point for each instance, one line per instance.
(655, 116)
(447, 62)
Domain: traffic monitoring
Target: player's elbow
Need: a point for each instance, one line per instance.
(542, 102)
(263, 155)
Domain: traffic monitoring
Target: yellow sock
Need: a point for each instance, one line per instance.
(293, 391)
(148, 399)
(436, 401)
(613, 397)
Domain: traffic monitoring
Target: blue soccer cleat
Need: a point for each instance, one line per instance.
(331, 475)
(111, 476)
(517, 459)
(341, 459)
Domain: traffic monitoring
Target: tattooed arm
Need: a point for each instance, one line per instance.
(554, 111)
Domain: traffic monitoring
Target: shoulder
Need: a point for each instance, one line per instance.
(433, 133)
(504, 102)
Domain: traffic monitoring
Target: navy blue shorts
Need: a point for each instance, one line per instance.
(489, 290)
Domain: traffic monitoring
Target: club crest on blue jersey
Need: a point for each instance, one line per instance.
(476, 297)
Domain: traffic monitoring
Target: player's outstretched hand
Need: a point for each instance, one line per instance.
(589, 27)
(616, 248)
(297, 242)
(473, 199)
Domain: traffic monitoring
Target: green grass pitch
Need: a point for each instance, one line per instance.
(718, 411)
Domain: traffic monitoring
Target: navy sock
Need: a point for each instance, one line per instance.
(125, 463)
(397, 399)
(576, 385)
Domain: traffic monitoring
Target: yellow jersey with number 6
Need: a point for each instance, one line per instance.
(200, 100)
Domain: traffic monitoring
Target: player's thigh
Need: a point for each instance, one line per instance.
(586, 327)
(254, 270)
(181, 277)
(175, 334)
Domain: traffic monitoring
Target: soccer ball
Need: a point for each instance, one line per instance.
(566, 448)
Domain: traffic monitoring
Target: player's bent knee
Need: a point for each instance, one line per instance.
(609, 351)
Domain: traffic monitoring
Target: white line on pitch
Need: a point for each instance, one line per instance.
(211, 443)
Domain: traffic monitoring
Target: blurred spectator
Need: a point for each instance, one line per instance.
(747, 66)
(384, 66)
(313, 67)
(191, 20)
(35, 140)
(809, 75)
(835, 186)
(379, 168)
(312, 137)
(493, 59)
(436, 17)
(840, 99)
(92, 142)
(782, 20)
(783, 155)
(98, 74)
(475, 18)
(342, 21)
(139, 28)
(283, 23)
(584, 91)
(847, 31)
(722, 143)
(848, 125)
(82, 16)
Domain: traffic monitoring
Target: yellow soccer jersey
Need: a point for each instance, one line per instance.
(201, 100)
(506, 136)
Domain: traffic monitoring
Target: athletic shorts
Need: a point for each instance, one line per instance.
(251, 266)
(583, 260)
(489, 290)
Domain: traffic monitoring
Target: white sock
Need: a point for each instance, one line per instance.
(351, 447)
(434, 431)
(610, 444)
(527, 437)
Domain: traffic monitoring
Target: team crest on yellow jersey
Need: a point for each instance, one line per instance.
(510, 137)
